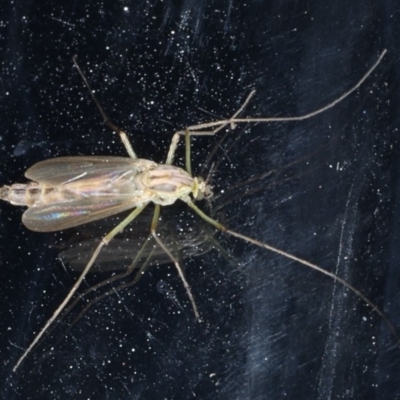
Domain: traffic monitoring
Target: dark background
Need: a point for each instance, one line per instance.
(325, 189)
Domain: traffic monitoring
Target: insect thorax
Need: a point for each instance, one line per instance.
(167, 183)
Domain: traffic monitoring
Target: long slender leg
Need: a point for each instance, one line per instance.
(95, 254)
(190, 131)
(299, 260)
(122, 134)
(188, 157)
(197, 130)
(174, 260)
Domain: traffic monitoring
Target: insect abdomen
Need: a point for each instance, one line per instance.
(24, 194)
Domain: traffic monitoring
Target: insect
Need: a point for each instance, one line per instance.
(70, 191)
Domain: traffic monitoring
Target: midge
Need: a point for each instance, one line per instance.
(70, 191)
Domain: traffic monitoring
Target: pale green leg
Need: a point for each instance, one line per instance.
(154, 222)
(299, 260)
(103, 243)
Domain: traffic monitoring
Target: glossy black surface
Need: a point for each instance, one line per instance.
(273, 329)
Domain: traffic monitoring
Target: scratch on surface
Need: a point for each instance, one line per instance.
(327, 374)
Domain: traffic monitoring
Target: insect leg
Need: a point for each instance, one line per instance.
(122, 134)
(191, 131)
(336, 278)
(197, 129)
(154, 222)
(95, 254)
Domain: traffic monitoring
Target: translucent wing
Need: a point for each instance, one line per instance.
(49, 218)
(79, 190)
(61, 170)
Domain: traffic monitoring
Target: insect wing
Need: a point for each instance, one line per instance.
(90, 188)
(49, 218)
(62, 170)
